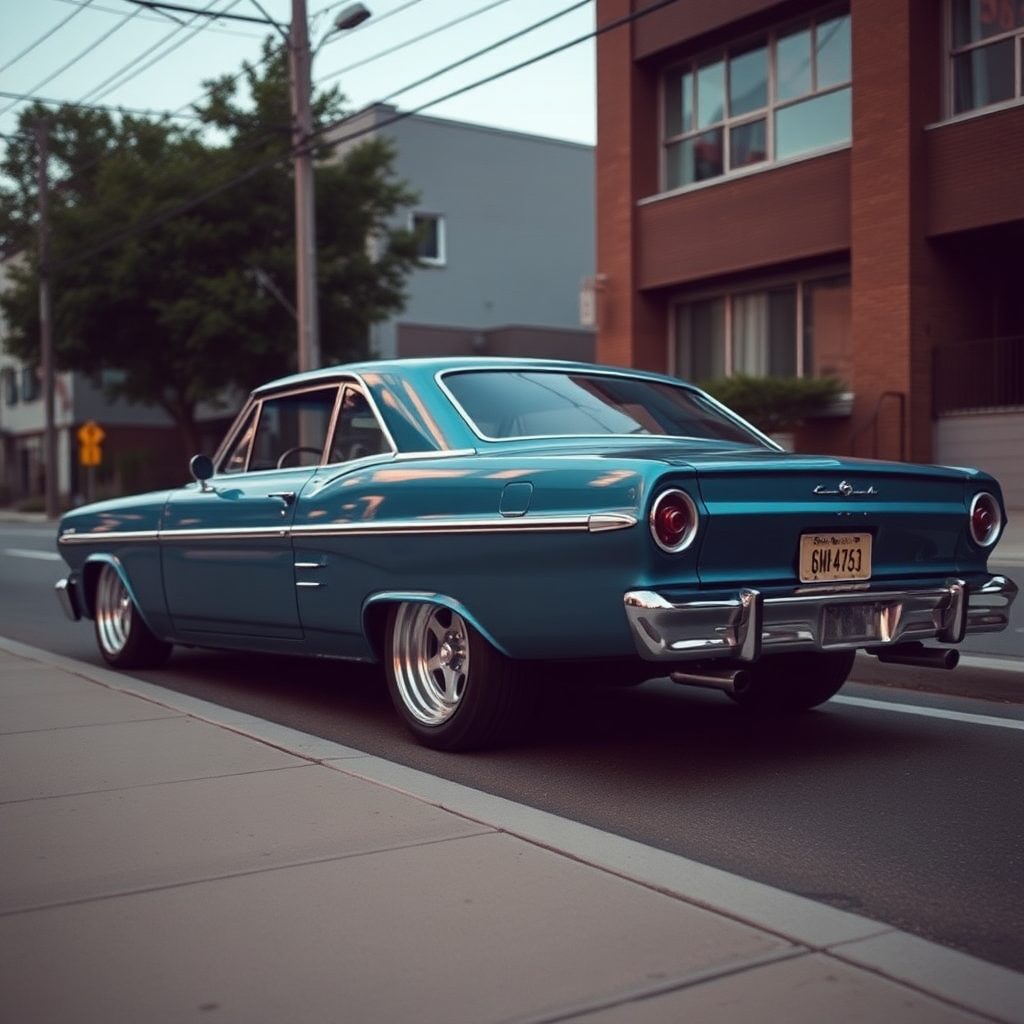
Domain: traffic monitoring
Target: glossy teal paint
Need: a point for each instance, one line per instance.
(501, 531)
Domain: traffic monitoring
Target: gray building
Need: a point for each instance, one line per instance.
(508, 224)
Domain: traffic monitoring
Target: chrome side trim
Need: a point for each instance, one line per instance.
(226, 533)
(529, 524)
(596, 523)
(602, 521)
(120, 536)
(742, 625)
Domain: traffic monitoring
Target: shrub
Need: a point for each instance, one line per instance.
(774, 404)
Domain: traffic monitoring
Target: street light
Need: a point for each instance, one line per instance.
(300, 60)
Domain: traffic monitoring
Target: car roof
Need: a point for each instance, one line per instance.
(429, 366)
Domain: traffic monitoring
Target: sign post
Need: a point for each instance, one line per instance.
(90, 455)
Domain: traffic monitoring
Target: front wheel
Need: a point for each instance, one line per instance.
(450, 687)
(797, 681)
(124, 640)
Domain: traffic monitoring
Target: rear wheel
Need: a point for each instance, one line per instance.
(124, 640)
(450, 687)
(793, 682)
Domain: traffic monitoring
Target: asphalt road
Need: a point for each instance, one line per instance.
(901, 805)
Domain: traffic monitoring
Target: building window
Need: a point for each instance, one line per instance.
(429, 229)
(987, 52)
(9, 380)
(796, 329)
(770, 98)
(31, 388)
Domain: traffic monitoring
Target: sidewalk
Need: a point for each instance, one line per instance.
(163, 859)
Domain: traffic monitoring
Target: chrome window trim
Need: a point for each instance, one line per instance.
(340, 383)
(526, 368)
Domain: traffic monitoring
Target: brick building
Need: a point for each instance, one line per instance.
(821, 189)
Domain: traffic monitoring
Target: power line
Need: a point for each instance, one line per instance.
(46, 35)
(160, 216)
(490, 49)
(74, 60)
(117, 79)
(180, 9)
(414, 39)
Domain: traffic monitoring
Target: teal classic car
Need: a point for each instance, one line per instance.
(480, 526)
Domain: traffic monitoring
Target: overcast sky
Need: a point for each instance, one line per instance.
(116, 53)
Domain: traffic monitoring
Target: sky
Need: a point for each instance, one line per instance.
(118, 53)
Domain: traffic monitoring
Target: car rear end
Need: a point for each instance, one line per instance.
(780, 553)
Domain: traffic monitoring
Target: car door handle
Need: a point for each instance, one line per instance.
(286, 496)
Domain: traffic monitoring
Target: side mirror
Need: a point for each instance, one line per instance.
(201, 468)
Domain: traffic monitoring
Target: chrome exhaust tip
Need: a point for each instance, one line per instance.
(915, 653)
(731, 680)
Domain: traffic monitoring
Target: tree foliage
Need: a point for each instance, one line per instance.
(173, 256)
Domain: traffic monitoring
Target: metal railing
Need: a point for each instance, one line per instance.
(877, 422)
(987, 373)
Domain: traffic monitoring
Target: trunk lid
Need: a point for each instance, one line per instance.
(758, 509)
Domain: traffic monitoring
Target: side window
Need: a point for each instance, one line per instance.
(357, 433)
(285, 432)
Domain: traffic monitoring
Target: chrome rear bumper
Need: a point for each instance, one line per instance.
(742, 625)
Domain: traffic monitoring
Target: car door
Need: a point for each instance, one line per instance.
(226, 546)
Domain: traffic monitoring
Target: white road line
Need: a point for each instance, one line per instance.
(922, 712)
(46, 556)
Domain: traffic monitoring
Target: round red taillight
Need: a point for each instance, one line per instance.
(673, 520)
(986, 520)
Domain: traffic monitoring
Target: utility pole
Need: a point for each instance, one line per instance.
(46, 322)
(300, 61)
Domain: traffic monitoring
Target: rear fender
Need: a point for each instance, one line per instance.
(375, 613)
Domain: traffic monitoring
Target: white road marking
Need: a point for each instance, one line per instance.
(46, 556)
(923, 712)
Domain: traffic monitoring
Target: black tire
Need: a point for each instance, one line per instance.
(450, 687)
(124, 640)
(789, 683)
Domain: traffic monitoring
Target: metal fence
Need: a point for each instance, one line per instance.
(978, 375)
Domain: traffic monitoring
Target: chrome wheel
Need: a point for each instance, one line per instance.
(114, 612)
(451, 687)
(430, 661)
(124, 639)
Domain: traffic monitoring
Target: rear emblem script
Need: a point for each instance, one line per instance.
(845, 488)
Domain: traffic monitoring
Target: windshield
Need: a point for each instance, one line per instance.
(504, 404)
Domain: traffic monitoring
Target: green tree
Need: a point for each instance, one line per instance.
(160, 238)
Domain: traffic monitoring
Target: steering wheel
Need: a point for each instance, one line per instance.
(297, 450)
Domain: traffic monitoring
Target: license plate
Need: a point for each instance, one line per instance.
(835, 557)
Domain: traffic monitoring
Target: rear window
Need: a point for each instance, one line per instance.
(505, 404)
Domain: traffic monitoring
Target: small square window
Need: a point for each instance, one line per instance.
(10, 385)
(429, 229)
(31, 387)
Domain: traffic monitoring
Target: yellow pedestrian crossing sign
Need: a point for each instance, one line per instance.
(90, 436)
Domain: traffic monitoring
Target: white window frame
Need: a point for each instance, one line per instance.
(419, 216)
(767, 113)
(800, 283)
(1015, 31)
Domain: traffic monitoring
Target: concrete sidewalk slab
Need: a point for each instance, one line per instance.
(180, 862)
